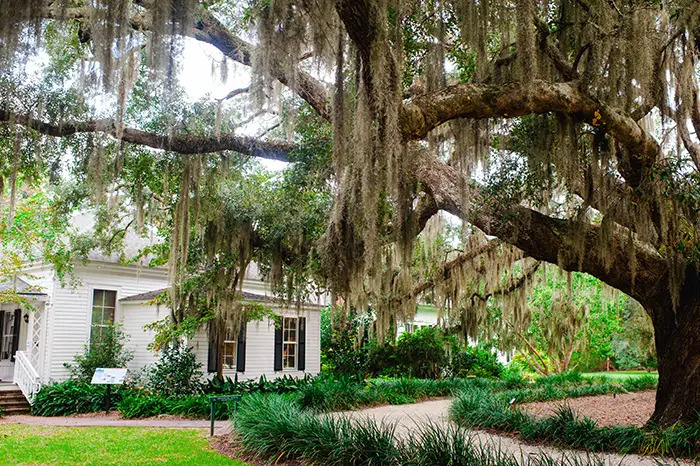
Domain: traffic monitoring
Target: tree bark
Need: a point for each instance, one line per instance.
(677, 336)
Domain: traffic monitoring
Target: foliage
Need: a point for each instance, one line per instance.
(106, 351)
(176, 372)
(140, 404)
(476, 408)
(72, 397)
(275, 429)
(475, 360)
(424, 353)
(339, 353)
(327, 394)
(24, 444)
(284, 384)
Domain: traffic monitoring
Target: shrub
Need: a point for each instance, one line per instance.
(423, 353)
(285, 384)
(475, 361)
(107, 351)
(72, 397)
(177, 372)
(141, 404)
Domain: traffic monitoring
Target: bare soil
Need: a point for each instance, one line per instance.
(607, 410)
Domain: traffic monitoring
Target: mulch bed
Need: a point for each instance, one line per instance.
(607, 410)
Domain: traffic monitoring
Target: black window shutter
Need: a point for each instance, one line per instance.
(240, 349)
(15, 334)
(301, 357)
(213, 354)
(278, 344)
(2, 331)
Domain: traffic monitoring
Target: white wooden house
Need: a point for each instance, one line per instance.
(36, 343)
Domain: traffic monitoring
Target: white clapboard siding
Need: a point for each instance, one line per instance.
(133, 316)
(260, 349)
(70, 314)
(259, 342)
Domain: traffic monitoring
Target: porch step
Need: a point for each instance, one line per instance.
(13, 402)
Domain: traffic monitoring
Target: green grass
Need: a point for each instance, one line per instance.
(21, 444)
(620, 374)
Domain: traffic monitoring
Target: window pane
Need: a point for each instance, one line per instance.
(97, 298)
(229, 354)
(110, 298)
(108, 316)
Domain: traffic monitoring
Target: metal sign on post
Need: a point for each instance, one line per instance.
(109, 377)
(224, 398)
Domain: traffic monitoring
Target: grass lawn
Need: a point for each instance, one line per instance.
(21, 444)
(620, 374)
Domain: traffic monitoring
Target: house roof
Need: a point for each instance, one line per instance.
(20, 286)
(149, 295)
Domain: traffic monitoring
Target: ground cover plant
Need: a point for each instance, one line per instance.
(272, 427)
(322, 394)
(478, 408)
(23, 444)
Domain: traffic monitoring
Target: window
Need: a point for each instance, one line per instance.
(104, 303)
(229, 354)
(289, 342)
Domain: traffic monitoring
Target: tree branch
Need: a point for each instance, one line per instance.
(511, 287)
(443, 272)
(178, 143)
(429, 111)
(574, 245)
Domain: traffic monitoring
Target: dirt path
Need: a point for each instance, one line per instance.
(112, 420)
(406, 417)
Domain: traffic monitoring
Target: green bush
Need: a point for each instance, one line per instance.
(284, 384)
(475, 361)
(427, 353)
(176, 372)
(329, 393)
(72, 397)
(137, 405)
(106, 351)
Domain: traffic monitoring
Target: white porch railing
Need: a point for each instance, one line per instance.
(26, 377)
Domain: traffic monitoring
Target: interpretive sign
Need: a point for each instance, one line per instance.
(104, 376)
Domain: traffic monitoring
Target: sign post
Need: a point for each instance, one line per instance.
(109, 377)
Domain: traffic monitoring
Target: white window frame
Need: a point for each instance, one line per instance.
(92, 308)
(234, 355)
(290, 343)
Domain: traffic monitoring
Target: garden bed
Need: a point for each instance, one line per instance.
(607, 410)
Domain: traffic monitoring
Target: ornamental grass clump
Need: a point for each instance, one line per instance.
(480, 409)
(273, 428)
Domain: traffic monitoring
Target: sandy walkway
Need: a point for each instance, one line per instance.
(113, 420)
(407, 416)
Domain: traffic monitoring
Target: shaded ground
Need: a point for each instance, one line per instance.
(607, 410)
(406, 417)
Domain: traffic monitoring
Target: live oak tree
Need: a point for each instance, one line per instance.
(567, 129)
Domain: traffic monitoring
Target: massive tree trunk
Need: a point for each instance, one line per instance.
(677, 335)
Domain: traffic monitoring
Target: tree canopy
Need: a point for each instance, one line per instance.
(566, 129)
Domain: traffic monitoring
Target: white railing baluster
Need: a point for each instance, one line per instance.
(25, 376)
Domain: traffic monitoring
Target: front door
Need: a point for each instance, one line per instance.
(9, 342)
